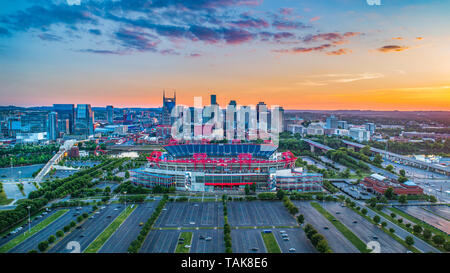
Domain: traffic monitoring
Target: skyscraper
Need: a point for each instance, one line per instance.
(84, 124)
(66, 111)
(110, 114)
(332, 122)
(213, 100)
(168, 105)
(53, 126)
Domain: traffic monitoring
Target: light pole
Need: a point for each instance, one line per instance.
(125, 199)
(29, 219)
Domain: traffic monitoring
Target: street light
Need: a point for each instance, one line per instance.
(29, 219)
(125, 199)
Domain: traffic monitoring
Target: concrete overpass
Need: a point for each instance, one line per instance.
(134, 148)
(409, 161)
(317, 145)
(54, 160)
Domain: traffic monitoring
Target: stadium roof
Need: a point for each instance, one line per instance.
(221, 150)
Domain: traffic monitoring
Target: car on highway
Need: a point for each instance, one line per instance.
(286, 239)
(141, 224)
(375, 237)
(201, 237)
(326, 228)
(254, 248)
(208, 238)
(355, 222)
(291, 249)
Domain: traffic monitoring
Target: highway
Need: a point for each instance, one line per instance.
(400, 232)
(334, 237)
(364, 229)
(90, 229)
(32, 242)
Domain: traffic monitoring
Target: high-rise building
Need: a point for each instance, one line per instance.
(332, 122)
(66, 111)
(213, 100)
(370, 127)
(110, 114)
(359, 134)
(168, 105)
(52, 126)
(84, 123)
(63, 126)
(342, 124)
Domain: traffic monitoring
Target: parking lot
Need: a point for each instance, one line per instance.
(337, 242)
(259, 213)
(427, 217)
(247, 241)
(191, 214)
(161, 241)
(296, 242)
(362, 228)
(89, 230)
(443, 211)
(129, 229)
(32, 242)
(212, 241)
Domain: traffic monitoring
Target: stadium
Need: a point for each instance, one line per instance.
(209, 167)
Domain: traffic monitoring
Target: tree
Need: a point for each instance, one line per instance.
(402, 173)
(402, 199)
(322, 246)
(364, 211)
(247, 190)
(400, 220)
(366, 150)
(438, 239)
(383, 224)
(300, 219)
(447, 246)
(389, 193)
(402, 179)
(417, 229)
(389, 168)
(391, 230)
(127, 174)
(378, 159)
(316, 238)
(376, 219)
(280, 194)
(427, 234)
(409, 240)
(393, 215)
(51, 239)
(42, 246)
(60, 233)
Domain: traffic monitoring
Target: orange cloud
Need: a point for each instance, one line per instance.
(315, 19)
(392, 48)
(397, 38)
(341, 51)
(419, 38)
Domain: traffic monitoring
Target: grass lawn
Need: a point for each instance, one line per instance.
(360, 245)
(109, 230)
(44, 223)
(3, 199)
(187, 241)
(270, 242)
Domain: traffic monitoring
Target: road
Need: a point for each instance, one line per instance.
(90, 229)
(364, 229)
(400, 232)
(334, 237)
(32, 242)
(426, 216)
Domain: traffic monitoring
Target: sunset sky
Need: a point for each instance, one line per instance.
(315, 54)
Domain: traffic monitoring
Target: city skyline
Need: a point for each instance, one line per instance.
(309, 55)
